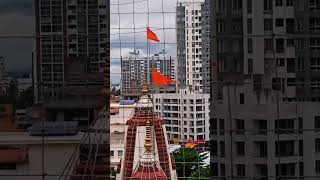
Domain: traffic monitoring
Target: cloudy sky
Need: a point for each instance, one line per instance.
(131, 16)
(17, 18)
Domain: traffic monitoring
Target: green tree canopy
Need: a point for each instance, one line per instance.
(202, 173)
(188, 161)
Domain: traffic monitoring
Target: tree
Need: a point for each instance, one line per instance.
(202, 173)
(188, 161)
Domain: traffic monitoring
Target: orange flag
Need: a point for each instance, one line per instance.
(160, 79)
(152, 36)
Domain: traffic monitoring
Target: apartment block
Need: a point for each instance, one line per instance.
(264, 89)
(68, 30)
(186, 115)
(190, 59)
(136, 67)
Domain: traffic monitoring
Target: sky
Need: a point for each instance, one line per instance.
(161, 20)
(17, 18)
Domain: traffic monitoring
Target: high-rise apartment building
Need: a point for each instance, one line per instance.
(68, 30)
(135, 68)
(264, 89)
(206, 66)
(186, 115)
(190, 58)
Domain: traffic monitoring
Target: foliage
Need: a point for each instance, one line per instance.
(188, 161)
(202, 173)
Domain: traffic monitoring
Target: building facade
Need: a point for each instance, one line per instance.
(264, 89)
(186, 115)
(136, 67)
(68, 29)
(190, 57)
(255, 137)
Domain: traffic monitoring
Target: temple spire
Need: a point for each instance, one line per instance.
(144, 86)
(148, 143)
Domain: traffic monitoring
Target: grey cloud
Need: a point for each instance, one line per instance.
(21, 7)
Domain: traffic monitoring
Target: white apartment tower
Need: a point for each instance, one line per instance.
(186, 114)
(189, 54)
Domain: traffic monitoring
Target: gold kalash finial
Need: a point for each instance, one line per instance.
(144, 86)
(148, 142)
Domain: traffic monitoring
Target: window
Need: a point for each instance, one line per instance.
(290, 65)
(262, 170)
(280, 62)
(280, 45)
(214, 169)
(220, 5)
(249, 26)
(241, 98)
(300, 147)
(240, 126)
(236, 5)
(289, 2)
(301, 169)
(250, 48)
(262, 126)
(299, 24)
(291, 82)
(213, 125)
(111, 153)
(279, 2)
(220, 46)
(262, 148)
(241, 170)
(284, 148)
(317, 145)
(314, 24)
(314, 44)
(276, 84)
(267, 5)
(120, 152)
(300, 62)
(268, 25)
(300, 44)
(279, 22)
(284, 126)
(249, 6)
(222, 149)
(315, 64)
(221, 26)
(250, 66)
(223, 169)
(317, 122)
(214, 148)
(240, 147)
(315, 84)
(290, 42)
(268, 45)
(285, 169)
(300, 125)
(314, 5)
(317, 166)
(221, 126)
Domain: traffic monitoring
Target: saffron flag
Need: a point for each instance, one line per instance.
(152, 36)
(160, 79)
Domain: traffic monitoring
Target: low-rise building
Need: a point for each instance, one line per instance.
(186, 114)
(120, 113)
(21, 155)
